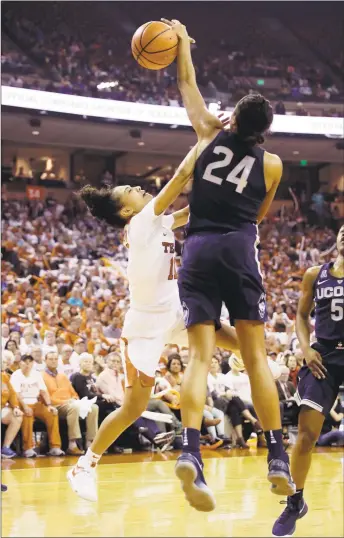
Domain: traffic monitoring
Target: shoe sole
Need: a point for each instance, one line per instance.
(202, 499)
(281, 485)
(75, 489)
(166, 446)
(162, 439)
(7, 457)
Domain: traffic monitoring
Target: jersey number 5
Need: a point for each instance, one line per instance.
(244, 167)
(337, 309)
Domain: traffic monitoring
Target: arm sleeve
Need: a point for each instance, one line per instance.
(144, 224)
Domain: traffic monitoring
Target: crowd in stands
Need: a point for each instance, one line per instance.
(64, 296)
(73, 57)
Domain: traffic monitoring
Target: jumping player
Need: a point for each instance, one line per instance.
(234, 184)
(321, 376)
(155, 317)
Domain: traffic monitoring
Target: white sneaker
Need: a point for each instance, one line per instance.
(30, 453)
(55, 452)
(82, 478)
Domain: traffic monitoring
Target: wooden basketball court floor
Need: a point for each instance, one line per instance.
(140, 496)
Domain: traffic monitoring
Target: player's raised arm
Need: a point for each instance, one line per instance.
(180, 217)
(201, 119)
(273, 169)
(174, 187)
(306, 302)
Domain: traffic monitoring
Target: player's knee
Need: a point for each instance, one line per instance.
(200, 355)
(307, 439)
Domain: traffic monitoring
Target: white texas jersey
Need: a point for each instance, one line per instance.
(151, 267)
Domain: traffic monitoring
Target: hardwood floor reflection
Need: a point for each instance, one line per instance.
(139, 496)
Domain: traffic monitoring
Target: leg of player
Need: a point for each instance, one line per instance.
(266, 403)
(310, 424)
(189, 467)
(82, 476)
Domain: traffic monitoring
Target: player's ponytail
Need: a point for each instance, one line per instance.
(103, 205)
(253, 115)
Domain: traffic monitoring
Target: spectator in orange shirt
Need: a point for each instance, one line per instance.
(65, 317)
(11, 415)
(64, 397)
(94, 345)
(29, 386)
(73, 334)
(45, 309)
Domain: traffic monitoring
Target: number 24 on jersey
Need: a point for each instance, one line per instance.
(244, 167)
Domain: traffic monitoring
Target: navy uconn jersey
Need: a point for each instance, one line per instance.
(329, 305)
(228, 187)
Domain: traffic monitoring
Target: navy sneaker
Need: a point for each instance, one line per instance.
(7, 453)
(3, 487)
(285, 525)
(280, 478)
(190, 472)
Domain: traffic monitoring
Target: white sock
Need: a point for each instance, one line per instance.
(92, 458)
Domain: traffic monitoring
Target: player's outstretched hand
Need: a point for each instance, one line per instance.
(315, 364)
(179, 29)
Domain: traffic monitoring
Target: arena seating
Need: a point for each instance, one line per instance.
(64, 272)
(75, 50)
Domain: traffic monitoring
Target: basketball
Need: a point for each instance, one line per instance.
(154, 45)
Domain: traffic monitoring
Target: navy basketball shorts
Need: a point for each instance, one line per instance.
(320, 394)
(221, 267)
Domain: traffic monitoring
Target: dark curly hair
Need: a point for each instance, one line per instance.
(253, 115)
(174, 357)
(103, 205)
(26, 357)
(8, 341)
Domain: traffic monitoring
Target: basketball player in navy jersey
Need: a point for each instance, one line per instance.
(321, 376)
(234, 184)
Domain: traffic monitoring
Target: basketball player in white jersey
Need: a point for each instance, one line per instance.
(155, 317)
